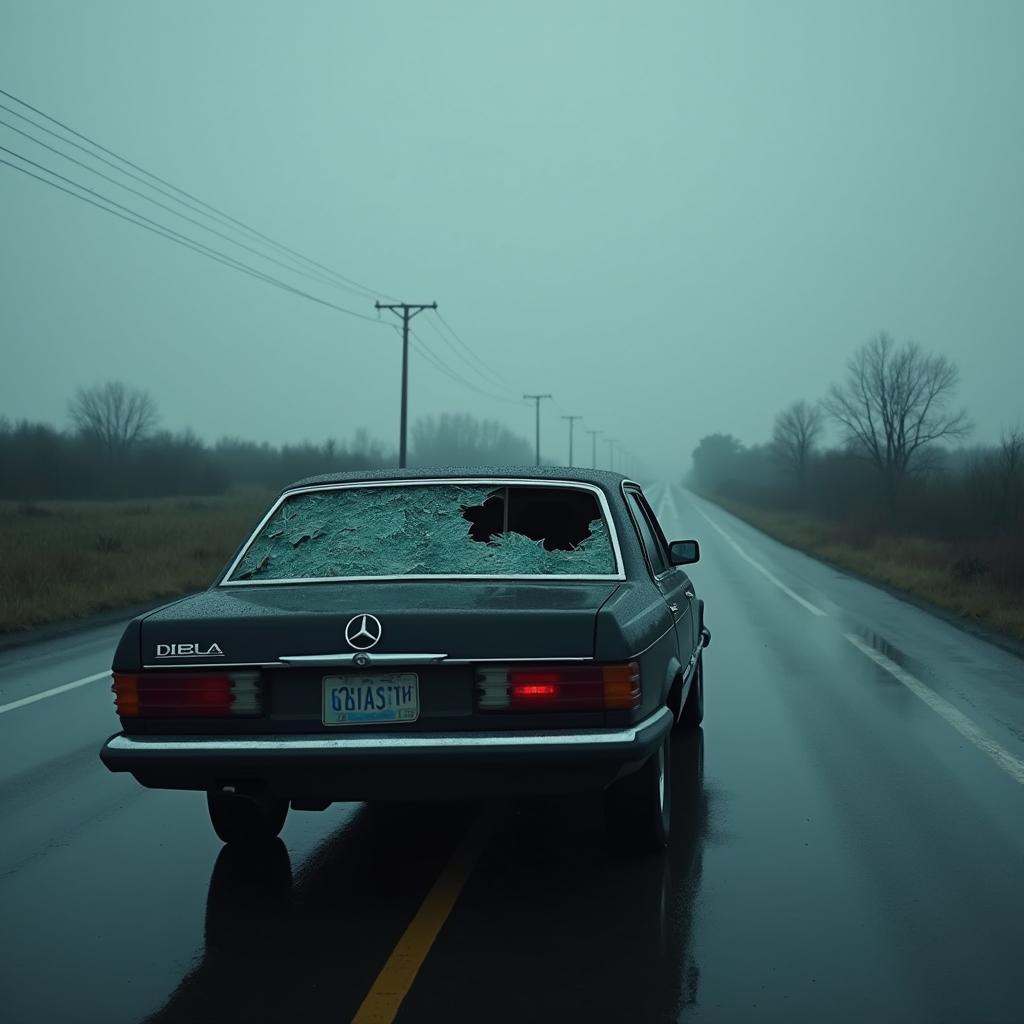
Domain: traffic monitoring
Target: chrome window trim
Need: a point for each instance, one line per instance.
(494, 741)
(491, 577)
(602, 499)
(657, 523)
(626, 486)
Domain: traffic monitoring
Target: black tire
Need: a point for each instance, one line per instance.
(638, 808)
(693, 710)
(243, 819)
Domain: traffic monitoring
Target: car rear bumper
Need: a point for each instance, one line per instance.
(388, 766)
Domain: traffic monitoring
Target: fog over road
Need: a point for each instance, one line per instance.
(854, 849)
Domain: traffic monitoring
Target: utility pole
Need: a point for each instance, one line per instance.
(572, 423)
(611, 442)
(537, 399)
(593, 447)
(407, 310)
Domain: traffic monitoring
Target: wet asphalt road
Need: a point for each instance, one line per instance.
(846, 847)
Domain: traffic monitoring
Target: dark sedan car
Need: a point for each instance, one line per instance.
(402, 635)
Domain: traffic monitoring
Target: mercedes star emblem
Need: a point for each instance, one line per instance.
(363, 632)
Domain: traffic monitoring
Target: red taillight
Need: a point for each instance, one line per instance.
(187, 694)
(559, 688)
(533, 691)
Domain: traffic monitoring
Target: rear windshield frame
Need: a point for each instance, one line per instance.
(599, 494)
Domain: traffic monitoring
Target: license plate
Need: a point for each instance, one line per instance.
(371, 700)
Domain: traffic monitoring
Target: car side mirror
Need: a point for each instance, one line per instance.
(683, 552)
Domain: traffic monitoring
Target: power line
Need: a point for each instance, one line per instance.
(222, 217)
(559, 408)
(181, 192)
(107, 209)
(489, 380)
(140, 220)
(177, 213)
(436, 361)
(429, 356)
(496, 377)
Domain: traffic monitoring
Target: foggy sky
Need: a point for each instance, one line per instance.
(676, 217)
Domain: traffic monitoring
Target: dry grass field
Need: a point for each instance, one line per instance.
(65, 559)
(980, 581)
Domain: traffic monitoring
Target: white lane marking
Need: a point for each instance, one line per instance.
(967, 728)
(671, 502)
(813, 609)
(14, 705)
(669, 509)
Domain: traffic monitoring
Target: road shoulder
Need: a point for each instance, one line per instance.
(69, 627)
(971, 626)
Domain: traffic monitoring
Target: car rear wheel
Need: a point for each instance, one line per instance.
(246, 819)
(693, 710)
(638, 808)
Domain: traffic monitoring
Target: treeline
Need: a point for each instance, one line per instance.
(113, 449)
(38, 461)
(956, 494)
(457, 439)
(897, 465)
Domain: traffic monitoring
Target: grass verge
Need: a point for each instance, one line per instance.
(65, 559)
(944, 574)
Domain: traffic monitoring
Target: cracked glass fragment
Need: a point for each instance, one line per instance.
(435, 529)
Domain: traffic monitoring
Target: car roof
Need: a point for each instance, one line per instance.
(603, 478)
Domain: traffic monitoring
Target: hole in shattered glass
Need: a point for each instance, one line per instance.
(559, 518)
(488, 518)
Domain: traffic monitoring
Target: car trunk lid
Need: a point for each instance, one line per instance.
(462, 620)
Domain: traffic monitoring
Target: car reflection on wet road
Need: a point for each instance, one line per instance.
(568, 920)
(852, 850)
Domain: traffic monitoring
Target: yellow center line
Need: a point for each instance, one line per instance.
(399, 972)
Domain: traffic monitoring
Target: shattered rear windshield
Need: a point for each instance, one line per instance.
(431, 530)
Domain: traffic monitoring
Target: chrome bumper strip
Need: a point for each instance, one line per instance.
(336, 660)
(349, 742)
(362, 659)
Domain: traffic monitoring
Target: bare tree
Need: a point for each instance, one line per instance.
(115, 415)
(795, 435)
(894, 403)
(1011, 466)
(1011, 451)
